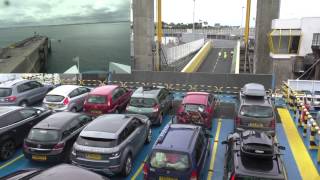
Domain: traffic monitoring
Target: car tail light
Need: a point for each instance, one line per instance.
(59, 146)
(233, 177)
(66, 101)
(237, 121)
(273, 124)
(194, 175)
(145, 170)
(11, 98)
(155, 108)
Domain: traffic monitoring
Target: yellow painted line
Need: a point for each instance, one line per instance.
(11, 162)
(304, 162)
(214, 150)
(139, 170)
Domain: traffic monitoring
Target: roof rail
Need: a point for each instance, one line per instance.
(163, 134)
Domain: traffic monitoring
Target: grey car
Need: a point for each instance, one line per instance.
(152, 101)
(22, 92)
(109, 143)
(66, 98)
(255, 110)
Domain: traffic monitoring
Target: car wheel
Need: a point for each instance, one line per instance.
(7, 149)
(127, 166)
(73, 110)
(23, 103)
(149, 136)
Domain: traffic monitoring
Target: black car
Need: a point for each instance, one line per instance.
(60, 172)
(52, 139)
(15, 123)
(253, 155)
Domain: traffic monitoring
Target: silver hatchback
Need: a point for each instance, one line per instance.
(66, 98)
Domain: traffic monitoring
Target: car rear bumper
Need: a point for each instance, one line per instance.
(266, 130)
(99, 167)
(49, 158)
(9, 103)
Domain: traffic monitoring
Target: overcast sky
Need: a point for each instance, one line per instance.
(229, 12)
(44, 12)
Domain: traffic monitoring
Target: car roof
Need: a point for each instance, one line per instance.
(104, 90)
(7, 109)
(168, 138)
(63, 90)
(254, 89)
(56, 121)
(9, 84)
(147, 92)
(195, 98)
(66, 172)
(109, 126)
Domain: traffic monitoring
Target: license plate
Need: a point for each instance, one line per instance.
(256, 125)
(39, 157)
(167, 178)
(93, 156)
(51, 106)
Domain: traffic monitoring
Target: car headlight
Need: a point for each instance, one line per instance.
(115, 155)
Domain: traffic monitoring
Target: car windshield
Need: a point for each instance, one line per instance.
(96, 99)
(193, 107)
(4, 92)
(43, 135)
(54, 98)
(256, 111)
(170, 160)
(96, 142)
(142, 102)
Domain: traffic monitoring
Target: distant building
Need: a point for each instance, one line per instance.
(289, 41)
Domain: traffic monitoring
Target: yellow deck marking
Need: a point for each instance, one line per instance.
(214, 150)
(305, 164)
(12, 161)
(139, 170)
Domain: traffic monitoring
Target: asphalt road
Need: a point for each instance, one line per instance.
(219, 59)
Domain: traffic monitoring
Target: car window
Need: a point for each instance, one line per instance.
(121, 92)
(43, 135)
(4, 92)
(83, 90)
(84, 119)
(96, 99)
(125, 134)
(199, 148)
(210, 99)
(161, 96)
(26, 113)
(170, 160)
(10, 119)
(256, 111)
(72, 127)
(74, 93)
(96, 142)
(34, 84)
(24, 87)
(54, 98)
(115, 94)
(142, 102)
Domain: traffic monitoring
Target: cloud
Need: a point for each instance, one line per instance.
(39, 12)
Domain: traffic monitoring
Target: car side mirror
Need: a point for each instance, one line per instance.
(282, 147)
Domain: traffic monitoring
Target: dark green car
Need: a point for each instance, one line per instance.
(152, 101)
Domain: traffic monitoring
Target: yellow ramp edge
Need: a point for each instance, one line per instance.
(197, 60)
(304, 162)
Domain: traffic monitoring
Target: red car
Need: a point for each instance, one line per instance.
(106, 99)
(197, 108)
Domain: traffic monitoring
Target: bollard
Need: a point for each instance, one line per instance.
(312, 139)
(294, 107)
(305, 125)
(299, 105)
(303, 114)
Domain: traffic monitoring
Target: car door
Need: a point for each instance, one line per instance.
(38, 90)
(167, 99)
(134, 135)
(123, 96)
(83, 93)
(74, 99)
(115, 100)
(201, 152)
(210, 106)
(25, 93)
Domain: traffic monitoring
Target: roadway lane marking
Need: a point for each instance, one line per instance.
(304, 162)
(214, 150)
(214, 67)
(11, 162)
(139, 170)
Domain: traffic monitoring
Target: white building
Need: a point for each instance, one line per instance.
(292, 37)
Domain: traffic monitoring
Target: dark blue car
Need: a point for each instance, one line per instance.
(179, 153)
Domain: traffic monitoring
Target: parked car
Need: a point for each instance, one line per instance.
(197, 108)
(152, 101)
(255, 111)
(61, 172)
(51, 140)
(107, 99)
(66, 98)
(253, 155)
(109, 143)
(22, 92)
(15, 123)
(181, 158)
